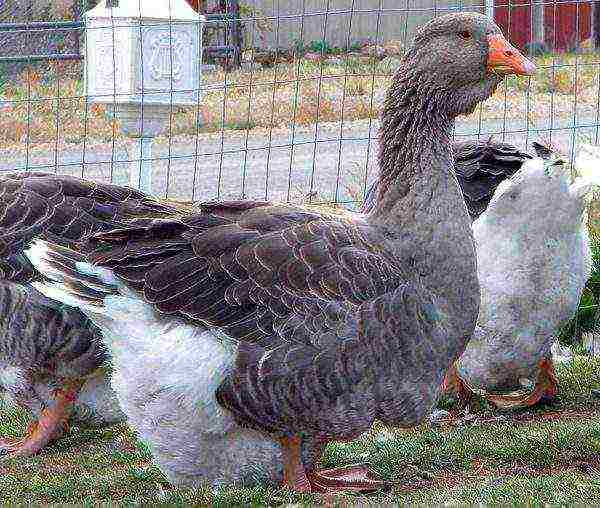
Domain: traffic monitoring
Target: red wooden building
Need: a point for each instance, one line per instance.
(560, 25)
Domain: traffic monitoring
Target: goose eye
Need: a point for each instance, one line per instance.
(465, 34)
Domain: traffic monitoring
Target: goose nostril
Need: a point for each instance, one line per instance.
(509, 53)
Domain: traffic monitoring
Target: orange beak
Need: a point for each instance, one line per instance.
(504, 58)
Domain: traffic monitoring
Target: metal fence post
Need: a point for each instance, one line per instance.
(140, 175)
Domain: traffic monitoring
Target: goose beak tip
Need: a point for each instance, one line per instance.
(505, 59)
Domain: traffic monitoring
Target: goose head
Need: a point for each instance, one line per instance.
(462, 54)
(455, 62)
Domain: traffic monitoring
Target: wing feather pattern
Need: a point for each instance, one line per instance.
(312, 303)
(65, 209)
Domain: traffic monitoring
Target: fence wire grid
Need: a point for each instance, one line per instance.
(291, 113)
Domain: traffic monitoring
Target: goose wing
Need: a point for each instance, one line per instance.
(44, 205)
(481, 166)
(235, 270)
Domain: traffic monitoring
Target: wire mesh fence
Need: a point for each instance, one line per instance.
(294, 114)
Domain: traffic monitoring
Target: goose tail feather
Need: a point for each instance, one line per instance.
(69, 278)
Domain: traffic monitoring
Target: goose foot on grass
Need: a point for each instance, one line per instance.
(544, 389)
(51, 425)
(353, 478)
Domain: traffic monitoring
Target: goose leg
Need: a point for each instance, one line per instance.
(51, 424)
(356, 478)
(294, 475)
(546, 387)
(453, 384)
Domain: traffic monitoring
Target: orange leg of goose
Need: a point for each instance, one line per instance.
(294, 475)
(356, 478)
(52, 424)
(545, 387)
(453, 384)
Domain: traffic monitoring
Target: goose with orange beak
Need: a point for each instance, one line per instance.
(247, 336)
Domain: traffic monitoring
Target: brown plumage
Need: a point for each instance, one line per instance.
(336, 321)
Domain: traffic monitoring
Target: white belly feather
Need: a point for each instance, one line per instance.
(165, 374)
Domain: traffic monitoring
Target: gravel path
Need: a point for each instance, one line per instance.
(236, 165)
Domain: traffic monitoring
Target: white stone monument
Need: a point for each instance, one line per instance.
(143, 61)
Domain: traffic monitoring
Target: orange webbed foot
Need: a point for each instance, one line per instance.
(545, 388)
(354, 478)
(51, 425)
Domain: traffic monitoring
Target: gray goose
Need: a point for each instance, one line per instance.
(52, 360)
(311, 326)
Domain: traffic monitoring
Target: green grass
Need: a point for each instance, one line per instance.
(547, 455)
(587, 316)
